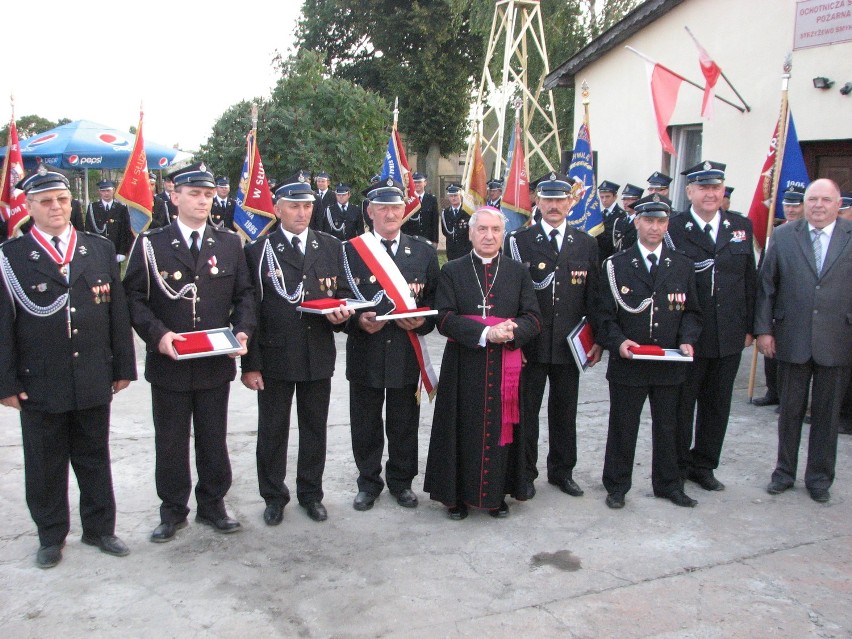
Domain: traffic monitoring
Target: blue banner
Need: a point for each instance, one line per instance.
(793, 170)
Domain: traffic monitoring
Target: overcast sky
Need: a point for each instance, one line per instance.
(185, 61)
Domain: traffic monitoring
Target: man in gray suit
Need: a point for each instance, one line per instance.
(803, 316)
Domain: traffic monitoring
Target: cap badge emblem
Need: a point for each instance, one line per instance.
(202, 167)
(707, 166)
(389, 182)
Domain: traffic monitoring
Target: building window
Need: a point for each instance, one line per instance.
(687, 142)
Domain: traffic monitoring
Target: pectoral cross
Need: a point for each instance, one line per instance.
(485, 307)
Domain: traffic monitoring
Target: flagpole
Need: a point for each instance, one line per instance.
(395, 111)
(783, 118)
(687, 80)
(722, 73)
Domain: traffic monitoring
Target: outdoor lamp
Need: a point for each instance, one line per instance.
(822, 83)
(846, 89)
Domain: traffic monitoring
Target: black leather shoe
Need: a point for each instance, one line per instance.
(363, 501)
(567, 485)
(166, 531)
(224, 525)
(680, 498)
(844, 427)
(110, 544)
(820, 495)
(704, 478)
(406, 498)
(528, 491)
(457, 512)
(615, 500)
(273, 514)
(776, 487)
(766, 400)
(49, 556)
(501, 511)
(316, 510)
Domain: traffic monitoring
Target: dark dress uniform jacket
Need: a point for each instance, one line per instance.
(455, 229)
(623, 233)
(290, 345)
(671, 326)
(606, 245)
(320, 205)
(577, 275)
(386, 359)
(425, 222)
(115, 224)
(223, 216)
(226, 299)
(726, 295)
(61, 374)
(350, 223)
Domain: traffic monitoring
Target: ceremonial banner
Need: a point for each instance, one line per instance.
(396, 166)
(793, 173)
(711, 72)
(474, 197)
(13, 207)
(134, 190)
(664, 89)
(586, 213)
(254, 213)
(516, 204)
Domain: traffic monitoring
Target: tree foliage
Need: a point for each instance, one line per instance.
(310, 121)
(422, 51)
(30, 125)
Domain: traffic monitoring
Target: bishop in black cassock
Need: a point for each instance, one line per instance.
(467, 465)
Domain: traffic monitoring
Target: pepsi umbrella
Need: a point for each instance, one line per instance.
(88, 145)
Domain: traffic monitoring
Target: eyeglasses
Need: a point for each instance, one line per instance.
(63, 200)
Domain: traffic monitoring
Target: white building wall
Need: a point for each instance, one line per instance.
(748, 39)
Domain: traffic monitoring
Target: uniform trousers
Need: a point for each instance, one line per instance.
(709, 385)
(626, 404)
(206, 412)
(829, 388)
(402, 419)
(50, 441)
(561, 417)
(274, 405)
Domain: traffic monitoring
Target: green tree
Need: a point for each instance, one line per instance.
(421, 51)
(310, 121)
(30, 125)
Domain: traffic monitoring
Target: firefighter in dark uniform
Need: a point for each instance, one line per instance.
(159, 210)
(67, 347)
(342, 219)
(110, 219)
(222, 211)
(720, 244)
(293, 352)
(649, 299)
(565, 269)
(495, 194)
(190, 276)
(323, 198)
(425, 222)
(381, 360)
(454, 223)
(623, 229)
(610, 212)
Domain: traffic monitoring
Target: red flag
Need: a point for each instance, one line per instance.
(758, 213)
(254, 214)
(134, 190)
(13, 206)
(711, 73)
(516, 195)
(664, 88)
(412, 202)
(476, 192)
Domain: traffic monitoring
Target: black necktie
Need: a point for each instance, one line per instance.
(652, 258)
(193, 245)
(553, 235)
(389, 246)
(55, 239)
(709, 230)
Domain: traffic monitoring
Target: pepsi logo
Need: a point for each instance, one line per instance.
(164, 162)
(73, 159)
(112, 139)
(44, 139)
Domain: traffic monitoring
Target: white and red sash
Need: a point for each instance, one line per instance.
(50, 249)
(392, 281)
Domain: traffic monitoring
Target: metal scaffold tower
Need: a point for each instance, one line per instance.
(517, 32)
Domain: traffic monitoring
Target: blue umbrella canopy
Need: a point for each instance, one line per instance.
(88, 145)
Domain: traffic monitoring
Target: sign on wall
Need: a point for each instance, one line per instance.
(822, 22)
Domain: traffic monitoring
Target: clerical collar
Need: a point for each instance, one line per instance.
(548, 228)
(303, 236)
(186, 231)
(485, 260)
